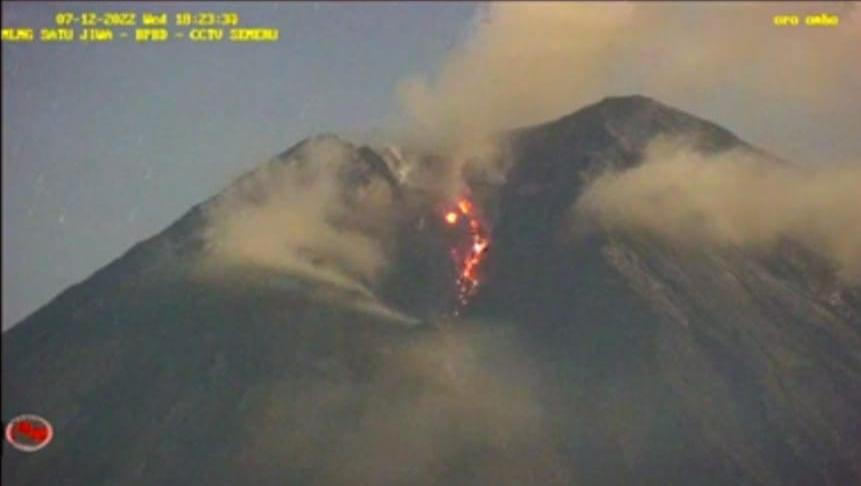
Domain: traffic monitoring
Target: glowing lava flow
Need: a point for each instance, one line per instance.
(468, 279)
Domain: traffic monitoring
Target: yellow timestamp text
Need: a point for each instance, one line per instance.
(812, 20)
(209, 35)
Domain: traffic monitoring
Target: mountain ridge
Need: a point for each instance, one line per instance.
(610, 359)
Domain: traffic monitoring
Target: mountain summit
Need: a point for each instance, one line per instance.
(293, 329)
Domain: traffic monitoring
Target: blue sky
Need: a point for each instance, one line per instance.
(105, 145)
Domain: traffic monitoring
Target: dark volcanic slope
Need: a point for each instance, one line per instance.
(608, 360)
(704, 367)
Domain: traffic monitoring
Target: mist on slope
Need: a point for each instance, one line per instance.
(301, 217)
(732, 198)
(465, 391)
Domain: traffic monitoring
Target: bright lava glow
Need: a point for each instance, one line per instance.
(468, 264)
(465, 206)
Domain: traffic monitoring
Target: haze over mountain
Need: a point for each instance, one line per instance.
(296, 328)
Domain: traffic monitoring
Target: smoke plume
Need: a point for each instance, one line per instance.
(787, 88)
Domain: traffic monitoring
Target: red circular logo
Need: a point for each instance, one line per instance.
(29, 433)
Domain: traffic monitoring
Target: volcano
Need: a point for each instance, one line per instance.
(607, 359)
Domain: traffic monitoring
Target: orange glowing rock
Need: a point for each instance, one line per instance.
(468, 262)
(465, 206)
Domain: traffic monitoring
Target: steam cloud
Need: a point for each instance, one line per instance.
(733, 198)
(530, 62)
(294, 217)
